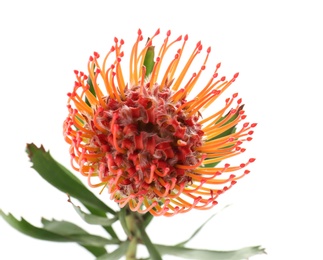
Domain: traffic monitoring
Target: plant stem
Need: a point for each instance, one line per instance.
(132, 249)
(132, 227)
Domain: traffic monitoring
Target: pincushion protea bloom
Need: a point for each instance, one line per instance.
(145, 140)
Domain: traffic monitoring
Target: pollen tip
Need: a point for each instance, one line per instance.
(208, 50)
(186, 37)
(236, 75)
(198, 198)
(233, 111)
(121, 41)
(215, 75)
(249, 139)
(253, 124)
(218, 65)
(157, 32)
(139, 31)
(216, 92)
(235, 95)
(252, 160)
(96, 55)
(223, 78)
(115, 39)
(91, 58)
(76, 72)
(179, 38)
(168, 33)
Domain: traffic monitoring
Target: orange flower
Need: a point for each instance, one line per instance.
(144, 140)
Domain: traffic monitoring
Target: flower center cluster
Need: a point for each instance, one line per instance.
(149, 143)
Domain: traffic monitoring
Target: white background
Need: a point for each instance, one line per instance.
(275, 45)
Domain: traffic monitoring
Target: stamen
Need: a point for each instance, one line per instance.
(188, 64)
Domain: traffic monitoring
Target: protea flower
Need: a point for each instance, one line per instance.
(145, 140)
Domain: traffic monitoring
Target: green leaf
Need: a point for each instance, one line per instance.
(57, 175)
(64, 228)
(102, 214)
(154, 254)
(199, 229)
(96, 251)
(189, 253)
(58, 232)
(149, 60)
(94, 219)
(111, 231)
(76, 233)
(116, 254)
(26, 228)
(147, 219)
(61, 178)
(122, 214)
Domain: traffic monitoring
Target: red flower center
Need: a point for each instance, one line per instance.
(145, 138)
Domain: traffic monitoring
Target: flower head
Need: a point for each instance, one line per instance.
(145, 140)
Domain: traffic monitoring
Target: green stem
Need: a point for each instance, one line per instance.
(132, 249)
(132, 227)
